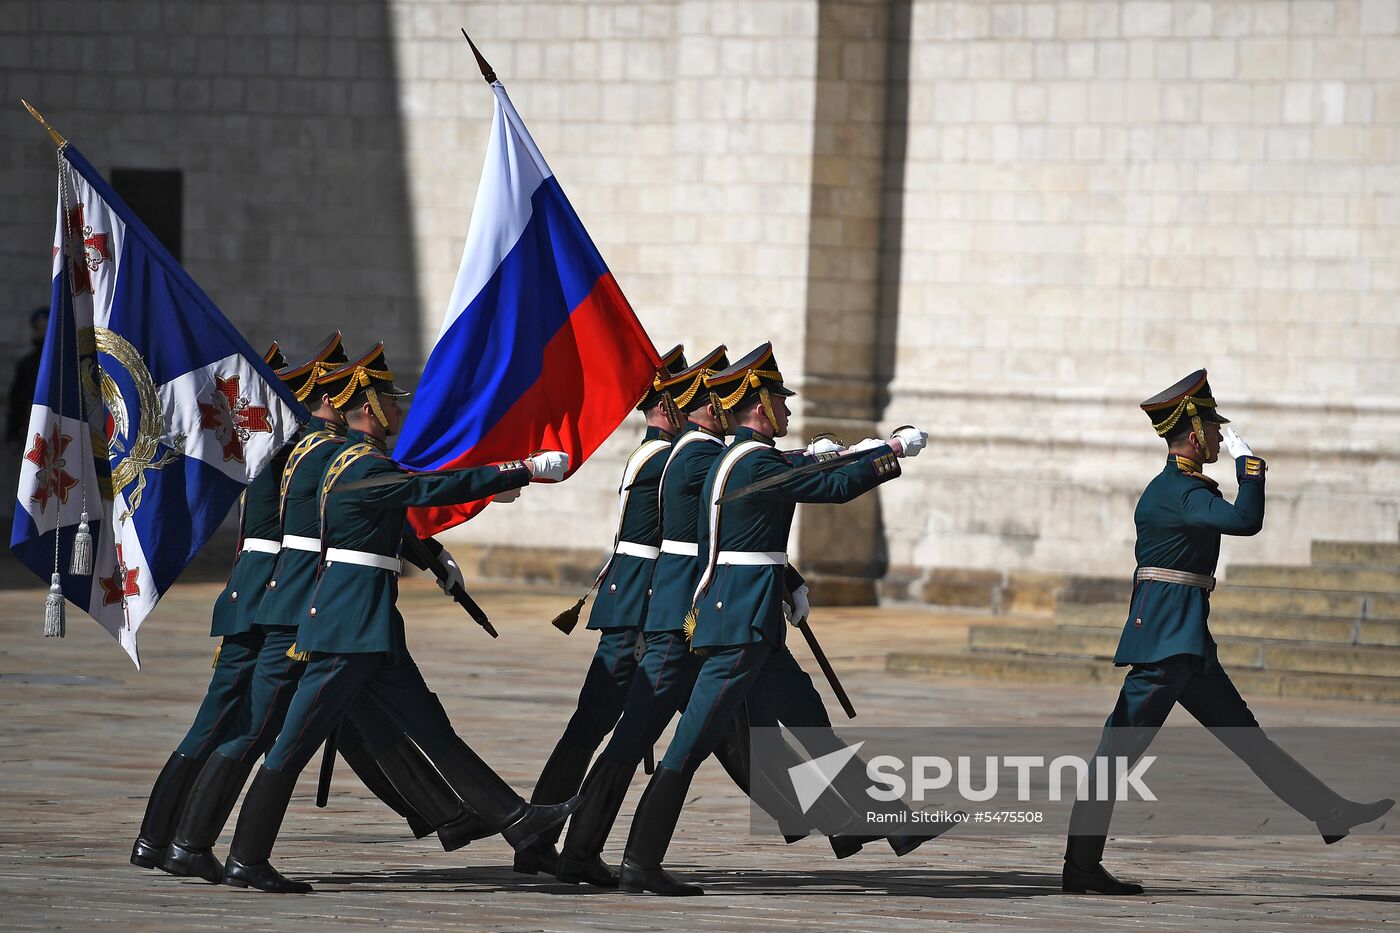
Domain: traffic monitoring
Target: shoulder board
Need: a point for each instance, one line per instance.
(1202, 477)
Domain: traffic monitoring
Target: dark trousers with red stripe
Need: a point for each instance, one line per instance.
(725, 680)
(270, 691)
(224, 711)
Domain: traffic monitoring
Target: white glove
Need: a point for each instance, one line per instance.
(823, 445)
(1235, 444)
(802, 606)
(870, 443)
(454, 573)
(510, 495)
(549, 464)
(912, 439)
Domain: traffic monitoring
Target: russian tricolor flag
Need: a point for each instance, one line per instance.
(539, 349)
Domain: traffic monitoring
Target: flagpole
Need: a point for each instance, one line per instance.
(486, 70)
(58, 140)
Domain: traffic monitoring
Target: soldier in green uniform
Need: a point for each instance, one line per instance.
(284, 508)
(666, 674)
(738, 620)
(224, 710)
(355, 636)
(618, 612)
(1166, 640)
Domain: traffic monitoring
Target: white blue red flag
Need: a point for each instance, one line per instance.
(151, 412)
(539, 349)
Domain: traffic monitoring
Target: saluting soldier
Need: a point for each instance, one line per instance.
(738, 617)
(619, 610)
(354, 634)
(290, 518)
(1166, 640)
(224, 710)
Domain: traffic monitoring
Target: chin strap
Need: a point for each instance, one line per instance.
(766, 401)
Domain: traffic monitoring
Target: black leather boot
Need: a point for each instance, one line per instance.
(258, 823)
(603, 794)
(1095, 880)
(207, 810)
(351, 746)
(847, 845)
(905, 843)
(1337, 823)
(559, 780)
(652, 827)
(533, 819)
(467, 828)
(426, 794)
(163, 809)
(1083, 872)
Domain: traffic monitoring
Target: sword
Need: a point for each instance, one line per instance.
(779, 479)
(323, 784)
(421, 554)
(827, 669)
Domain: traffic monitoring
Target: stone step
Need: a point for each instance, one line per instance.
(1338, 579)
(1357, 553)
(1252, 683)
(1263, 654)
(1251, 625)
(1306, 602)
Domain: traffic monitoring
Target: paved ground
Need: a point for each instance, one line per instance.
(83, 735)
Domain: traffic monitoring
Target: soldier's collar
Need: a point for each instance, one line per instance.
(1184, 464)
(1188, 467)
(744, 433)
(360, 437)
(701, 429)
(658, 434)
(317, 423)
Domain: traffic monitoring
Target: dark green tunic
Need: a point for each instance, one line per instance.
(622, 595)
(1180, 519)
(739, 604)
(236, 607)
(352, 608)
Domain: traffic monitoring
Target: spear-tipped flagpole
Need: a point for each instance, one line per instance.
(58, 140)
(482, 63)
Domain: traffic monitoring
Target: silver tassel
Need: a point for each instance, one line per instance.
(82, 549)
(54, 623)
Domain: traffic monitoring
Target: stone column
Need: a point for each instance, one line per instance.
(853, 272)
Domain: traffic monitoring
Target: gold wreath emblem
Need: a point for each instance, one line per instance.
(150, 425)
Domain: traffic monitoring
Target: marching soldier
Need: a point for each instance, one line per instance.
(223, 711)
(664, 678)
(1167, 642)
(618, 613)
(285, 509)
(738, 615)
(354, 634)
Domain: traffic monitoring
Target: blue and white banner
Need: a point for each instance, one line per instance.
(151, 412)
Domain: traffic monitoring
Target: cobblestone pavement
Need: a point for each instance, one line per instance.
(83, 735)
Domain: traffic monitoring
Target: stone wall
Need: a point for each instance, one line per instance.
(1007, 221)
(1101, 197)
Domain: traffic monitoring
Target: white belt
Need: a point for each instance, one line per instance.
(688, 548)
(752, 558)
(338, 555)
(301, 543)
(632, 549)
(262, 545)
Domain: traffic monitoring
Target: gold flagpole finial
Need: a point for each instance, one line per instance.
(58, 140)
(486, 71)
